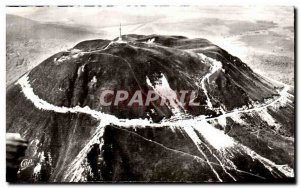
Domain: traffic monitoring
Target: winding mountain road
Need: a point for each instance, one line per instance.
(215, 66)
(188, 125)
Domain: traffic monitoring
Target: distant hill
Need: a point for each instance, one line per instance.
(28, 42)
(19, 28)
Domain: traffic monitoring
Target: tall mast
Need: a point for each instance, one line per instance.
(120, 37)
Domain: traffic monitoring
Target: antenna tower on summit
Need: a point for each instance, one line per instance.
(120, 37)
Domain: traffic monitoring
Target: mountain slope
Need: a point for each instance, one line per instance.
(241, 131)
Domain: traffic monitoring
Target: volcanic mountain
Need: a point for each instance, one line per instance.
(243, 129)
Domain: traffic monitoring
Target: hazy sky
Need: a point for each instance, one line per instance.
(111, 16)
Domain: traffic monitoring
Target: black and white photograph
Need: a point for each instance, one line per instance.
(150, 94)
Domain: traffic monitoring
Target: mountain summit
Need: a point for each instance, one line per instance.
(151, 108)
